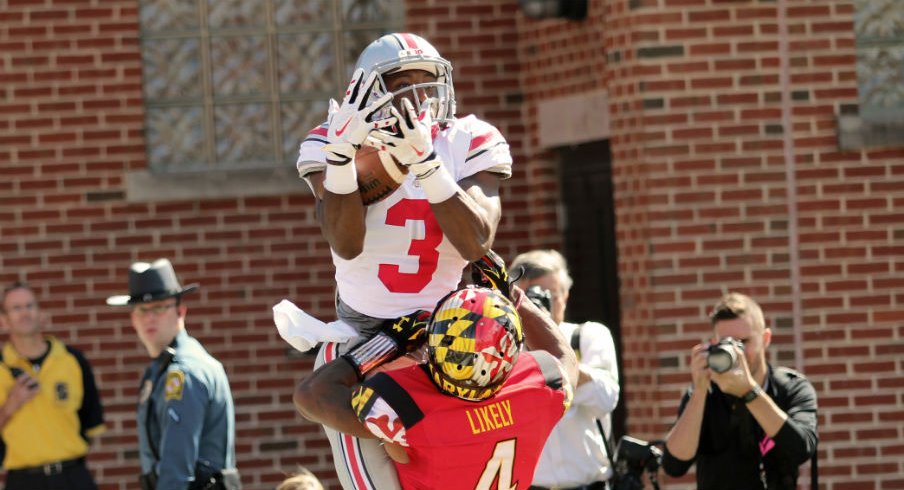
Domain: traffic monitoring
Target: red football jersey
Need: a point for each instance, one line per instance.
(456, 444)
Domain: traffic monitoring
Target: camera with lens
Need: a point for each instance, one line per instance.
(540, 297)
(721, 356)
(632, 458)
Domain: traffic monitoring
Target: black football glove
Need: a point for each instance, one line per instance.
(408, 331)
(395, 338)
(489, 272)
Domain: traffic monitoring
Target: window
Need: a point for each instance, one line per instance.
(879, 27)
(879, 119)
(236, 84)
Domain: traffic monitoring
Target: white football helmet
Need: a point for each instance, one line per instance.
(402, 51)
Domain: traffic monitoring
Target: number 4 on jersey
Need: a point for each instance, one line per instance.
(501, 464)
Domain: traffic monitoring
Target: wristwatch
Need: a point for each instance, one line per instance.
(752, 394)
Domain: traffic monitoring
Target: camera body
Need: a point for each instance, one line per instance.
(721, 356)
(632, 458)
(540, 297)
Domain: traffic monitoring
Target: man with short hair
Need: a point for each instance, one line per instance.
(186, 418)
(575, 456)
(750, 426)
(49, 403)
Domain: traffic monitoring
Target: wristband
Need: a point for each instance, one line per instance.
(437, 182)
(341, 179)
(375, 351)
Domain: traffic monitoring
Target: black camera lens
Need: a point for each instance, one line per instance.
(721, 356)
(540, 297)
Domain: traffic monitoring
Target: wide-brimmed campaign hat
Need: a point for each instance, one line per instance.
(151, 282)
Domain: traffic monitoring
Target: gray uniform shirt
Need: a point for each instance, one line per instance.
(185, 415)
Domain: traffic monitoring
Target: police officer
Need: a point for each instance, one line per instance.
(186, 419)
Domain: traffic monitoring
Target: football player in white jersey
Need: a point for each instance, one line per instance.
(407, 251)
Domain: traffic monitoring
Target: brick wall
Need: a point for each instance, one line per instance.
(559, 58)
(71, 126)
(703, 202)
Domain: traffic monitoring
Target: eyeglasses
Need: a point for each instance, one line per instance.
(155, 310)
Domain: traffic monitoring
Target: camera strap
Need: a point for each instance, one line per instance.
(575, 342)
(814, 468)
(599, 425)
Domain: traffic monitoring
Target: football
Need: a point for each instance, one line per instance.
(378, 174)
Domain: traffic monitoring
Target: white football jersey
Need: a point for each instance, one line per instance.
(407, 263)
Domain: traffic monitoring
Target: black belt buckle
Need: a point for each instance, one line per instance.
(52, 468)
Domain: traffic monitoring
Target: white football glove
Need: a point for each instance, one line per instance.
(413, 144)
(339, 153)
(351, 122)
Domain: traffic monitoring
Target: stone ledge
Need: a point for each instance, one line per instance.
(574, 119)
(144, 186)
(856, 133)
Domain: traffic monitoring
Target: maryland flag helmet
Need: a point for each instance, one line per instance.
(473, 341)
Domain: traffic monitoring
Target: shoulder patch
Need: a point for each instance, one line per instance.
(397, 398)
(175, 385)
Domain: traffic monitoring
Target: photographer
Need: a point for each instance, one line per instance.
(574, 456)
(751, 426)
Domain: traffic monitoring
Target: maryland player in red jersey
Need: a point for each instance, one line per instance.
(474, 416)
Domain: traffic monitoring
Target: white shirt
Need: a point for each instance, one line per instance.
(407, 263)
(574, 454)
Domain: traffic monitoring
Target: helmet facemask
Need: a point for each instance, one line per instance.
(418, 94)
(394, 53)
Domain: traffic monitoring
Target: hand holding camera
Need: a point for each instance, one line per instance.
(722, 356)
(540, 297)
(728, 364)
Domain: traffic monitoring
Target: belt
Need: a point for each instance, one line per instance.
(49, 469)
(597, 485)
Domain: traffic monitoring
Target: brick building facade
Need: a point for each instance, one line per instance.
(723, 124)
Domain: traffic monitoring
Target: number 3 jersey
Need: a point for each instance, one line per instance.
(407, 262)
(456, 444)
